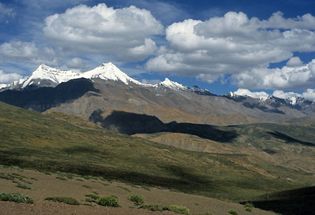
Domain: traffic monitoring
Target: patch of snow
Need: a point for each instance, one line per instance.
(263, 96)
(172, 84)
(290, 96)
(109, 71)
(44, 72)
(3, 86)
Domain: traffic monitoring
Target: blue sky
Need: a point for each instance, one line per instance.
(219, 45)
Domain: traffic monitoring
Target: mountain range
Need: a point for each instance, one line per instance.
(104, 123)
(106, 88)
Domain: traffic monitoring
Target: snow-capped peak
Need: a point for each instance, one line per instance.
(290, 96)
(44, 72)
(108, 71)
(172, 84)
(3, 86)
(263, 96)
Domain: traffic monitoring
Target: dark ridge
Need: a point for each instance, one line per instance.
(292, 202)
(133, 123)
(288, 139)
(41, 99)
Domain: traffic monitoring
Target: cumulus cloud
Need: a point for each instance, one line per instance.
(16, 51)
(245, 92)
(294, 61)
(309, 94)
(285, 77)
(124, 33)
(6, 78)
(76, 63)
(238, 46)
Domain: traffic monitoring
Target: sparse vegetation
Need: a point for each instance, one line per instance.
(233, 212)
(248, 207)
(179, 209)
(136, 199)
(15, 197)
(61, 178)
(174, 208)
(23, 186)
(153, 207)
(86, 186)
(21, 131)
(66, 200)
(108, 201)
(92, 197)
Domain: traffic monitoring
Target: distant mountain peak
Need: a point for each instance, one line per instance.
(262, 96)
(172, 84)
(49, 75)
(108, 71)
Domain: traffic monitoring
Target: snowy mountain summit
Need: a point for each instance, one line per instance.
(46, 76)
(172, 85)
(108, 71)
(50, 76)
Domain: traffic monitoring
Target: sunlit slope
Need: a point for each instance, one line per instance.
(33, 140)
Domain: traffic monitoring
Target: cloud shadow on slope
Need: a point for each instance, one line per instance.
(133, 123)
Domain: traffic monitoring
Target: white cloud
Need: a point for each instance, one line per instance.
(245, 92)
(294, 61)
(277, 21)
(284, 95)
(285, 77)
(17, 51)
(309, 94)
(239, 46)
(6, 78)
(76, 63)
(124, 34)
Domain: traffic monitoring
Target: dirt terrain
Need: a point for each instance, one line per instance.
(42, 185)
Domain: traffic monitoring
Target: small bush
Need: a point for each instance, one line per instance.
(92, 198)
(15, 197)
(179, 209)
(233, 212)
(61, 178)
(248, 207)
(154, 207)
(136, 199)
(109, 201)
(174, 208)
(23, 186)
(66, 200)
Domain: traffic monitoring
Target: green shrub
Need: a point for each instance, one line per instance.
(61, 178)
(23, 186)
(174, 208)
(92, 198)
(66, 200)
(233, 212)
(136, 199)
(154, 207)
(15, 197)
(248, 207)
(108, 201)
(179, 209)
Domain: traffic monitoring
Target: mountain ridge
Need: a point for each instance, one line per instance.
(46, 76)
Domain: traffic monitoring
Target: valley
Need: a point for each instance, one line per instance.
(204, 152)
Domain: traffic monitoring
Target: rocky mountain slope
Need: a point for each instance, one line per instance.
(167, 100)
